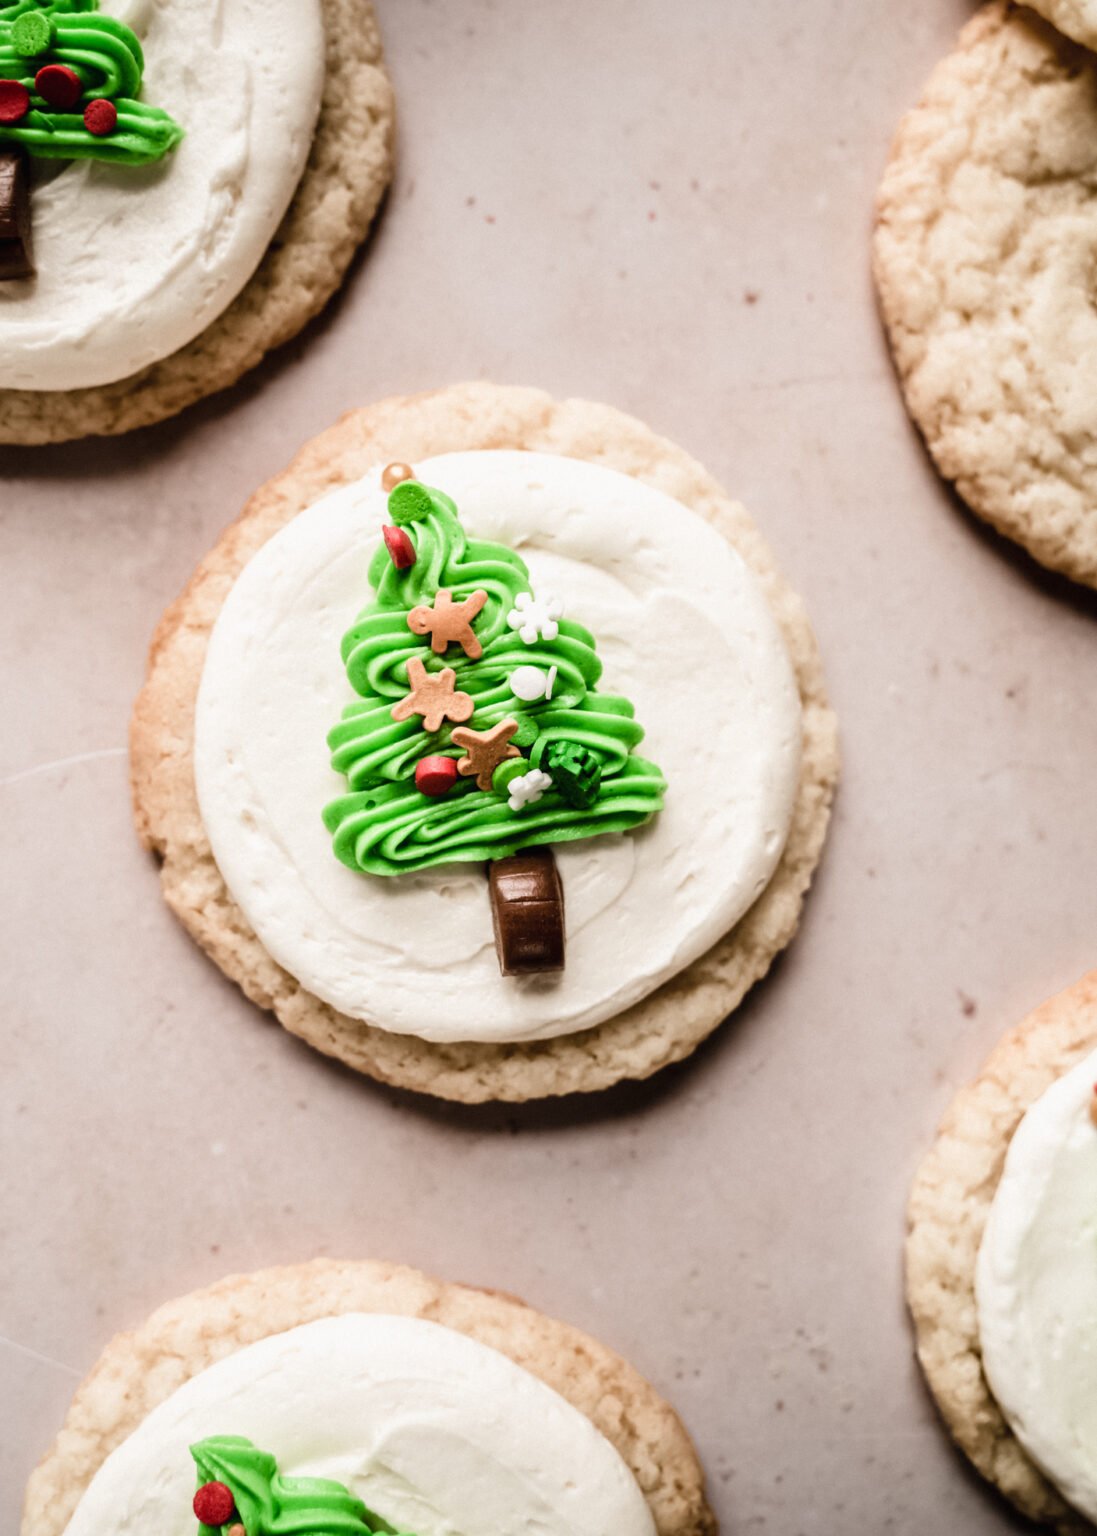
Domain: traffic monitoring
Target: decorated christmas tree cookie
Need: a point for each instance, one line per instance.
(375, 1400)
(70, 79)
(479, 732)
(574, 687)
(242, 1493)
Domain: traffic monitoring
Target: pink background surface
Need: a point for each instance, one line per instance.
(667, 208)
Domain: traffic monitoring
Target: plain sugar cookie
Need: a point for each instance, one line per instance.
(203, 1364)
(629, 1035)
(949, 1205)
(984, 262)
(1077, 18)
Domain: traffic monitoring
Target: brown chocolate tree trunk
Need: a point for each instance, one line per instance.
(16, 258)
(527, 908)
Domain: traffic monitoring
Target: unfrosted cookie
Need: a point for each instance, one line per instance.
(1077, 18)
(984, 246)
(668, 1022)
(949, 1205)
(139, 1371)
(345, 176)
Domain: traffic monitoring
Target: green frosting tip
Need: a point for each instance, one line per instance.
(410, 502)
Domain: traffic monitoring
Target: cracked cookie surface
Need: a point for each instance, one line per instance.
(984, 256)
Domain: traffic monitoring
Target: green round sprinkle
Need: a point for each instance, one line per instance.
(31, 34)
(526, 734)
(576, 773)
(513, 768)
(409, 501)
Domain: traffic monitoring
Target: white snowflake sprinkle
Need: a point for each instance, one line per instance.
(535, 617)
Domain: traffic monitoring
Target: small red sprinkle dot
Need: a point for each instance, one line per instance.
(59, 86)
(435, 775)
(14, 101)
(100, 117)
(214, 1504)
(400, 547)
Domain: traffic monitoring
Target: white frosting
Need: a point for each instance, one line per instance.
(1036, 1287)
(434, 1432)
(134, 261)
(683, 631)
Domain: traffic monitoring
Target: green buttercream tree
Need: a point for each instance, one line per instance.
(69, 83)
(478, 730)
(264, 1502)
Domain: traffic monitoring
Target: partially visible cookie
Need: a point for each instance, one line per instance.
(139, 1370)
(986, 229)
(1077, 18)
(664, 1026)
(348, 169)
(949, 1205)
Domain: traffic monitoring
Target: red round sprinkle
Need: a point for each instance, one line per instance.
(14, 101)
(214, 1504)
(400, 547)
(100, 117)
(435, 775)
(58, 85)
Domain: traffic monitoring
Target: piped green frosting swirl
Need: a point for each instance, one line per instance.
(108, 59)
(268, 1504)
(384, 825)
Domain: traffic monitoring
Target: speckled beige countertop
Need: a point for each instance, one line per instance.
(666, 207)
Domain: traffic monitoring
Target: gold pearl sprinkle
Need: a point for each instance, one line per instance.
(396, 474)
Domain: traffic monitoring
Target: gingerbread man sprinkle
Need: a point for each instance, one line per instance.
(486, 750)
(432, 696)
(448, 621)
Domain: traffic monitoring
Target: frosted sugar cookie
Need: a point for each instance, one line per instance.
(346, 1399)
(557, 654)
(181, 189)
(1000, 1275)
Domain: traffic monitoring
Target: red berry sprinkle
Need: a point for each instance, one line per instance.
(435, 775)
(14, 101)
(59, 86)
(214, 1504)
(400, 547)
(100, 117)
